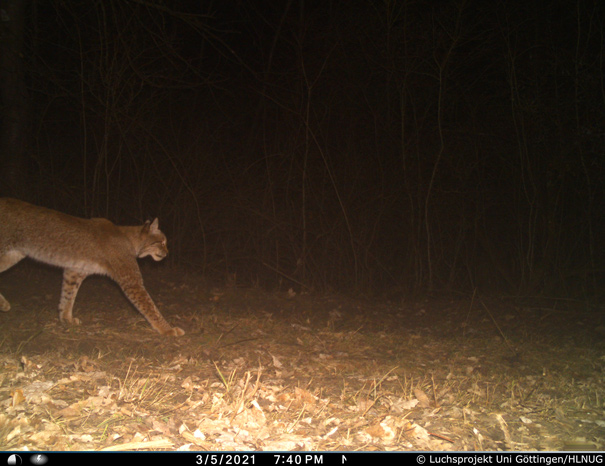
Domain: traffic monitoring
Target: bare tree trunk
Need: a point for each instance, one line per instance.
(14, 98)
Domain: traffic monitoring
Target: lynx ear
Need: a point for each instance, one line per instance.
(150, 227)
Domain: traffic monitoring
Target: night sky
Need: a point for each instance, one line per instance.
(358, 146)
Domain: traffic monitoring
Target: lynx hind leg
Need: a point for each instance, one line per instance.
(4, 304)
(7, 260)
(71, 284)
(137, 294)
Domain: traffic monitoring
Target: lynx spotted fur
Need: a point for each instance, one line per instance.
(82, 247)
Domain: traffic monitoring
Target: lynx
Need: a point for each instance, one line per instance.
(82, 247)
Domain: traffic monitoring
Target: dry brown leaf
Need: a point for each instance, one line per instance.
(192, 438)
(376, 431)
(70, 411)
(304, 395)
(17, 397)
(423, 399)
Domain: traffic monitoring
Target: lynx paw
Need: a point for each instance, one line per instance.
(70, 321)
(4, 305)
(174, 332)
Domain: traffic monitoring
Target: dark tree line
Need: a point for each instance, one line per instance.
(367, 145)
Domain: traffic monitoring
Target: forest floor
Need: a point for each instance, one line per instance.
(286, 371)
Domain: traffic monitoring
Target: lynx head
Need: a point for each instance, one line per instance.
(153, 241)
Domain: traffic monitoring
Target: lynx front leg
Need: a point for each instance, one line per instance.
(71, 284)
(7, 260)
(138, 296)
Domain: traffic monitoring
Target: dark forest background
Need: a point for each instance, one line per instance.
(369, 146)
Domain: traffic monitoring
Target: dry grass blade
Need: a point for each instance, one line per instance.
(151, 445)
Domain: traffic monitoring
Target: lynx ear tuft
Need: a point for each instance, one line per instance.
(154, 226)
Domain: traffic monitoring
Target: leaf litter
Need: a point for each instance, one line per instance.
(281, 371)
